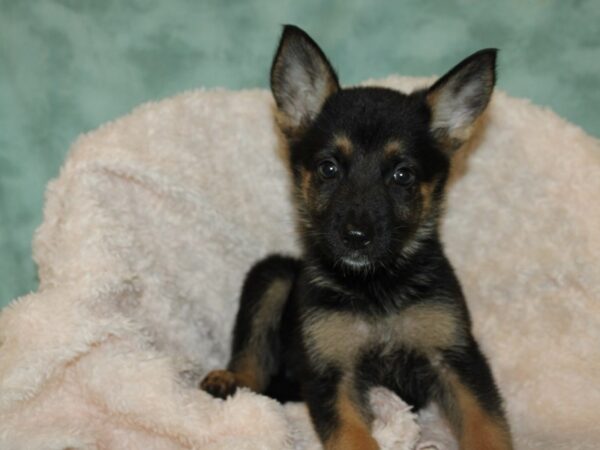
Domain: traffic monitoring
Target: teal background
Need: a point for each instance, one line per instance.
(67, 66)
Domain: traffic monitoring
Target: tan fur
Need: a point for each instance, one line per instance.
(219, 380)
(354, 431)
(271, 304)
(248, 373)
(287, 125)
(246, 367)
(308, 193)
(305, 186)
(477, 429)
(343, 144)
(428, 327)
(392, 149)
(450, 142)
(427, 196)
(335, 337)
(338, 337)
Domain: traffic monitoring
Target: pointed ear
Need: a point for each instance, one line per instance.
(301, 80)
(459, 97)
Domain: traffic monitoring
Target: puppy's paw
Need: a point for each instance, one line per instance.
(219, 383)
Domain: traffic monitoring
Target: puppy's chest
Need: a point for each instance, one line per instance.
(341, 338)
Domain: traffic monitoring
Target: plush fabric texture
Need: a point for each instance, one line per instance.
(156, 217)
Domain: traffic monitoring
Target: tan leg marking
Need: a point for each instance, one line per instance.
(478, 430)
(353, 432)
(248, 374)
(248, 366)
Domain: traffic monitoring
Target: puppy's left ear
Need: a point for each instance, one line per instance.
(459, 97)
(301, 80)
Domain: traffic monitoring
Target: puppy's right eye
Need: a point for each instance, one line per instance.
(403, 176)
(327, 169)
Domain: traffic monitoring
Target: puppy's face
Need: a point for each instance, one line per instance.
(368, 176)
(370, 163)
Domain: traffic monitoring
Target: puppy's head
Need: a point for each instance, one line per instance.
(370, 163)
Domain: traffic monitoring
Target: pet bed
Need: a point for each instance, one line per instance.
(155, 218)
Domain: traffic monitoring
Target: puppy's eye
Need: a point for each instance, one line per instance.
(328, 169)
(403, 176)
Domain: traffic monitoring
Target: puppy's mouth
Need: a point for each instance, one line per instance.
(356, 261)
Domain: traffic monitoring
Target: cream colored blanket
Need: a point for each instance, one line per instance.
(155, 218)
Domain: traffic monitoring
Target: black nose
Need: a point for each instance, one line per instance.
(356, 237)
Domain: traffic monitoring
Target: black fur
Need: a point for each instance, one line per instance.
(374, 300)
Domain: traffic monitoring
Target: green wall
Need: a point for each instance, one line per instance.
(68, 66)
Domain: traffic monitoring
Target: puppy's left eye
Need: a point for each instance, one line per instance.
(403, 176)
(328, 169)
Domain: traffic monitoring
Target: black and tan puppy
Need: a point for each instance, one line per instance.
(374, 300)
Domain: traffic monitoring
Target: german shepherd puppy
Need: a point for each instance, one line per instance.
(374, 300)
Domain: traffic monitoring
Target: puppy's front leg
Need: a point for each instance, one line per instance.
(256, 347)
(472, 402)
(340, 414)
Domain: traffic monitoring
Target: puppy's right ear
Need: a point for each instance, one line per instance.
(301, 80)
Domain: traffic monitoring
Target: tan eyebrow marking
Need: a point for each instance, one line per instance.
(392, 148)
(343, 144)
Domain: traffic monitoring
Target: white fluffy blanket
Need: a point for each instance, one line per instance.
(155, 218)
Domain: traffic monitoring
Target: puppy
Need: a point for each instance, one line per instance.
(374, 300)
